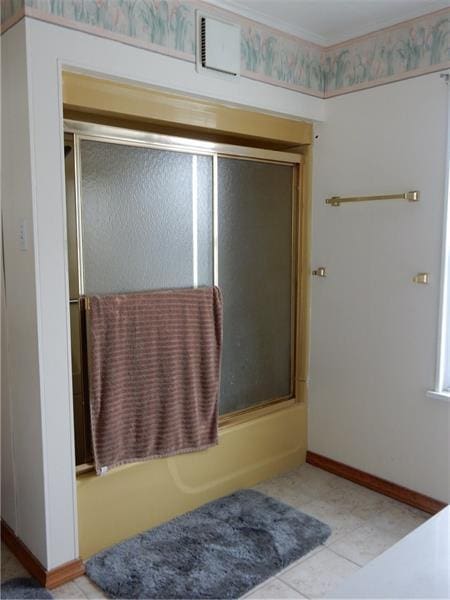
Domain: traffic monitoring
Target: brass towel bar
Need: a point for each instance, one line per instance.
(410, 196)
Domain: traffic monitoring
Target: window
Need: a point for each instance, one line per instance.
(443, 367)
(442, 384)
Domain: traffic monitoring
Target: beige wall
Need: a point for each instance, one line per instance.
(374, 332)
(23, 484)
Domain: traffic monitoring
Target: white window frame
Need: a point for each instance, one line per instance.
(442, 381)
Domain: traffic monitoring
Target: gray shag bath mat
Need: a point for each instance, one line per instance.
(220, 550)
(23, 587)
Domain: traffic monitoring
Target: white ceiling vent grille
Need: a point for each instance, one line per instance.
(219, 46)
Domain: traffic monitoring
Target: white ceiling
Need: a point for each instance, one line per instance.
(329, 22)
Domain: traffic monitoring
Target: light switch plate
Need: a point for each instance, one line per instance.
(23, 235)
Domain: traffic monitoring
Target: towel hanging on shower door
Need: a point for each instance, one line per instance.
(154, 369)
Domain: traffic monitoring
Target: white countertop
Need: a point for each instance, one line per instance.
(418, 566)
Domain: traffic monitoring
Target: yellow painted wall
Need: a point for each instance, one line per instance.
(133, 498)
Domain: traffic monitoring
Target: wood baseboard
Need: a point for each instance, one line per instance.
(49, 579)
(382, 486)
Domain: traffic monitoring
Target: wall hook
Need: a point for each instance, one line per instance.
(320, 272)
(423, 278)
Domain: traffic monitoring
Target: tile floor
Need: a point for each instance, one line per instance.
(363, 523)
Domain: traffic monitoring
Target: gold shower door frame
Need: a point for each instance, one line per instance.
(75, 132)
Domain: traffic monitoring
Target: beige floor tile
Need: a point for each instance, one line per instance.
(89, 588)
(320, 574)
(274, 588)
(398, 519)
(69, 591)
(297, 562)
(341, 520)
(314, 482)
(11, 568)
(287, 488)
(391, 503)
(364, 544)
(355, 499)
(363, 524)
(6, 553)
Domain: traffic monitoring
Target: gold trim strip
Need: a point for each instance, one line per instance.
(131, 137)
(215, 210)
(194, 222)
(250, 157)
(410, 196)
(295, 232)
(304, 279)
(253, 412)
(79, 215)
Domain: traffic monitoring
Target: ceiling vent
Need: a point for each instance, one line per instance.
(219, 46)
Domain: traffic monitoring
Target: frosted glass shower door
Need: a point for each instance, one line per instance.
(255, 206)
(148, 211)
(153, 218)
(146, 218)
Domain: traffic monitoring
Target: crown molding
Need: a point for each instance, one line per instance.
(232, 6)
(376, 26)
(326, 42)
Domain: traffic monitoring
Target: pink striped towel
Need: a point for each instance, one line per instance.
(154, 368)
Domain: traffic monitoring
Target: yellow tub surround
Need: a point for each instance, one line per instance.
(133, 498)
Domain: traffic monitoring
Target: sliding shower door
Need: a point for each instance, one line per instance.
(151, 212)
(255, 215)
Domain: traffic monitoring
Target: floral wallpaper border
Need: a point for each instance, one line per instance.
(11, 11)
(414, 47)
(411, 48)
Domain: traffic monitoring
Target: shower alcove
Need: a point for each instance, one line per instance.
(228, 205)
